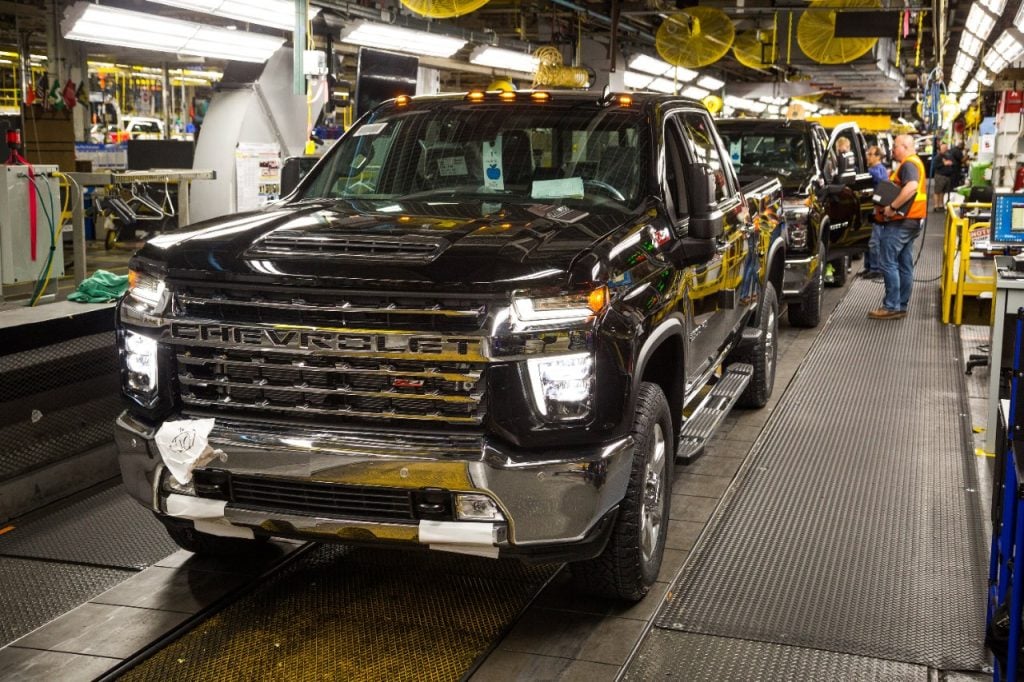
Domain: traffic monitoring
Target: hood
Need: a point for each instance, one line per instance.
(794, 182)
(488, 246)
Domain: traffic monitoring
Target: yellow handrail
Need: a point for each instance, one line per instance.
(957, 279)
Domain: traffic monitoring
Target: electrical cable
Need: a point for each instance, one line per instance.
(44, 275)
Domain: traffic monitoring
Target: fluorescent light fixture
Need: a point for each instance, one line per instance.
(985, 77)
(693, 92)
(113, 26)
(994, 62)
(959, 74)
(711, 83)
(636, 81)
(964, 61)
(826, 112)
(662, 85)
(275, 13)
(970, 44)
(972, 87)
(401, 39)
(980, 21)
(1010, 45)
(682, 74)
(774, 110)
(993, 6)
(648, 64)
(500, 58)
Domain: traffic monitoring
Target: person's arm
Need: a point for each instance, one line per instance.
(907, 193)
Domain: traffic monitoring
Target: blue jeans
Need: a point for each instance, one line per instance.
(896, 261)
(871, 258)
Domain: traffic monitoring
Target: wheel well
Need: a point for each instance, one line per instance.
(665, 368)
(777, 270)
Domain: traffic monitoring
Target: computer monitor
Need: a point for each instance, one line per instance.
(1007, 218)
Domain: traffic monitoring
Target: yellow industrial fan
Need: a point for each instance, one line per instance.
(443, 9)
(816, 32)
(695, 37)
(753, 49)
(713, 103)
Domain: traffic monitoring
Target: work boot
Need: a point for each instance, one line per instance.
(886, 314)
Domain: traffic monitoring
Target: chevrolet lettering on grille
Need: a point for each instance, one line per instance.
(315, 340)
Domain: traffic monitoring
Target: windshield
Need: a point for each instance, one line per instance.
(579, 155)
(781, 153)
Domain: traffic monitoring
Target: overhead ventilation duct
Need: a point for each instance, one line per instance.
(695, 37)
(816, 32)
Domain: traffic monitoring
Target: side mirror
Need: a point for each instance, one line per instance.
(294, 169)
(689, 251)
(706, 220)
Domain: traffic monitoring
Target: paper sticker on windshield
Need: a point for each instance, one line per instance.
(563, 188)
(452, 165)
(494, 177)
(736, 150)
(370, 129)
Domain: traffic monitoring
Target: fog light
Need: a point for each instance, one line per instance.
(477, 508)
(171, 485)
(140, 354)
(563, 385)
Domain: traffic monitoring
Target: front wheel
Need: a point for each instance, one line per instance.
(762, 355)
(630, 562)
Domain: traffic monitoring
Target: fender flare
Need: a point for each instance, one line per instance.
(776, 254)
(673, 326)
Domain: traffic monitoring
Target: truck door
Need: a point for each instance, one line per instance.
(847, 192)
(715, 289)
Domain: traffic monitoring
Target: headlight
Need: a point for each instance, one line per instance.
(140, 358)
(147, 293)
(563, 385)
(569, 308)
(796, 225)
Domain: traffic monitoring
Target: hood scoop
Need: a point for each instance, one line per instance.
(296, 244)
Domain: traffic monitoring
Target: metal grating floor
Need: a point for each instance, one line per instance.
(106, 528)
(35, 592)
(856, 525)
(700, 658)
(356, 614)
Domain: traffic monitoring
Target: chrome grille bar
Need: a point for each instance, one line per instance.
(312, 390)
(344, 307)
(384, 370)
(227, 402)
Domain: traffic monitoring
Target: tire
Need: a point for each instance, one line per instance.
(763, 354)
(187, 537)
(806, 312)
(630, 562)
(840, 270)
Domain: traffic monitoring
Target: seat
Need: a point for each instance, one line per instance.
(516, 157)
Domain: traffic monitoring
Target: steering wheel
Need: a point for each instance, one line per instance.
(608, 189)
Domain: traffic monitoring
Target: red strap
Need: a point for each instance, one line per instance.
(32, 228)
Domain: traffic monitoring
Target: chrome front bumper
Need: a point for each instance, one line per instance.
(798, 275)
(558, 498)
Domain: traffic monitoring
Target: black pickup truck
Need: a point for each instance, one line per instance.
(827, 201)
(485, 324)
